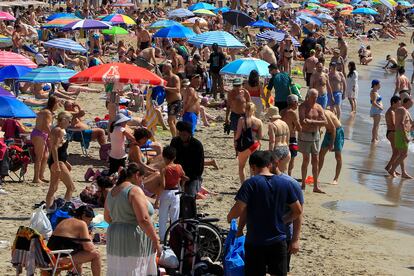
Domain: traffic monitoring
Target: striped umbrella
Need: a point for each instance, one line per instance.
(52, 74)
(9, 58)
(5, 41)
(61, 15)
(6, 16)
(163, 24)
(223, 39)
(87, 24)
(277, 36)
(180, 13)
(59, 23)
(269, 6)
(65, 44)
(116, 19)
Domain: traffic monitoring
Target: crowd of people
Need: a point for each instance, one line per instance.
(135, 184)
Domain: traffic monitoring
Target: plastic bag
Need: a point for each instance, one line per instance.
(168, 258)
(234, 252)
(41, 223)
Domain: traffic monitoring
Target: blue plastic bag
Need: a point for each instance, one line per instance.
(234, 252)
(158, 94)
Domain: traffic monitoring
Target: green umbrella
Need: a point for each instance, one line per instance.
(115, 31)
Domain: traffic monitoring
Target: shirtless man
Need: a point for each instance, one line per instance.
(17, 39)
(339, 60)
(390, 121)
(143, 38)
(343, 51)
(391, 63)
(320, 82)
(291, 117)
(174, 99)
(333, 141)
(402, 83)
(403, 126)
(191, 102)
(267, 54)
(309, 67)
(311, 118)
(338, 85)
(402, 54)
(178, 64)
(147, 58)
(237, 99)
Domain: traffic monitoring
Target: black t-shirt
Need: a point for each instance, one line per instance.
(190, 156)
(217, 61)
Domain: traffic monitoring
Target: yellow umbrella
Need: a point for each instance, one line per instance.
(333, 3)
(204, 12)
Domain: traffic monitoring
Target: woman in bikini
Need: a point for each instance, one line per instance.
(245, 123)
(39, 137)
(255, 89)
(287, 53)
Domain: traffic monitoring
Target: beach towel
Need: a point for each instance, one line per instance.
(150, 115)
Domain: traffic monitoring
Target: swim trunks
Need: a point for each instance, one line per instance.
(337, 97)
(323, 100)
(144, 45)
(400, 142)
(309, 142)
(339, 140)
(175, 108)
(293, 147)
(234, 120)
(281, 152)
(191, 117)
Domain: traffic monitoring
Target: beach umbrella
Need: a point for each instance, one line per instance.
(336, 3)
(5, 41)
(180, 13)
(269, 6)
(201, 5)
(344, 7)
(405, 3)
(59, 23)
(52, 74)
(13, 72)
(65, 44)
(314, 1)
(312, 20)
(61, 15)
(6, 16)
(278, 36)
(237, 18)
(307, 12)
(204, 12)
(325, 17)
(175, 32)
(223, 39)
(386, 3)
(222, 9)
(87, 24)
(5, 93)
(346, 12)
(115, 31)
(117, 73)
(366, 11)
(10, 58)
(191, 21)
(243, 67)
(262, 24)
(11, 107)
(163, 24)
(116, 19)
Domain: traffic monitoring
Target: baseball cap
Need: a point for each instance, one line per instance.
(374, 82)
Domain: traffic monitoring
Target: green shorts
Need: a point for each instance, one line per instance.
(339, 140)
(400, 142)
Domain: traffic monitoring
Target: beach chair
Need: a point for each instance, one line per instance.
(72, 136)
(30, 251)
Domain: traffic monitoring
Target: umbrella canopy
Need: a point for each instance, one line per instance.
(269, 6)
(11, 107)
(163, 24)
(6, 16)
(314, 1)
(175, 32)
(191, 21)
(307, 12)
(5, 93)
(59, 23)
(201, 5)
(238, 18)
(346, 12)
(65, 44)
(325, 17)
(223, 10)
(116, 19)
(386, 3)
(262, 24)
(277, 36)
(180, 13)
(223, 39)
(52, 74)
(405, 3)
(290, 6)
(61, 15)
(119, 73)
(5, 41)
(13, 72)
(312, 20)
(243, 67)
(204, 12)
(367, 11)
(115, 31)
(87, 24)
(9, 58)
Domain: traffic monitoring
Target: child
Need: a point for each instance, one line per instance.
(171, 177)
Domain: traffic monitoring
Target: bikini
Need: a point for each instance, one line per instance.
(42, 134)
(256, 144)
(281, 152)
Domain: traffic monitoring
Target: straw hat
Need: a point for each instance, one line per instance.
(273, 113)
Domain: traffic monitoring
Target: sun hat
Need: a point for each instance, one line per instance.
(237, 81)
(273, 113)
(186, 82)
(374, 82)
(121, 118)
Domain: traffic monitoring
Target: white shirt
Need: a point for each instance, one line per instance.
(40, 59)
(118, 143)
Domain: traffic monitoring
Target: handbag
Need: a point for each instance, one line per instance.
(245, 140)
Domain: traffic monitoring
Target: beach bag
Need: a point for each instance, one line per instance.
(234, 252)
(168, 258)
(295, 90)
(245, 140)
(104, 152)
(41, 223)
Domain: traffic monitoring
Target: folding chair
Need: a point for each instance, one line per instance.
(30, 251)
(71, 136)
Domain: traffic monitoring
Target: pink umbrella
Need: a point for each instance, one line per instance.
(6, 16)
(10, 58)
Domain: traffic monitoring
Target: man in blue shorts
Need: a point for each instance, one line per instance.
(338, 85)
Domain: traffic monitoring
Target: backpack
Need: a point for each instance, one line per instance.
(245, 140)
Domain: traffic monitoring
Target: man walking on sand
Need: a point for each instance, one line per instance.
(390, 121)
(333, 141)
(174, 101)
(309, 67)
(311, 118)
(403, 125)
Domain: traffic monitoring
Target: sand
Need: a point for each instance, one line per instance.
(330, 244)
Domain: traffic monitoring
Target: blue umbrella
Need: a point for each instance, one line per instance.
(223, 39)
(52, 74)
(87, 24)
(13, 72)
(314, 1)
(262, 24)
(61, 15)
(237, 18)
(223, 10)
(180, 13)
(65, 44)
(243, 67)
(201, 5)
(366, 11)
(11, 107)
(277, 36)
(163, 24)
(269, 6)
(405, 3)
(175, 32)
(325, 17)
(312, 20)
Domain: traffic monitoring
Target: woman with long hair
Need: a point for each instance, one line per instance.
(40, 138)
(255, 89)
(244, 125)
(352, 86)
(131, 237)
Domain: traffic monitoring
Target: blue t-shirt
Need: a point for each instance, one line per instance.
(266, 198)
(299, 194)
(281, 83)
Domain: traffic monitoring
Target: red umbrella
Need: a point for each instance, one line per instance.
(117, 73)
(10, 58)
